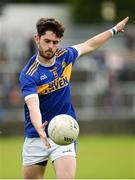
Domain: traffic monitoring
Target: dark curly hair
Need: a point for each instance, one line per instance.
(49, 24)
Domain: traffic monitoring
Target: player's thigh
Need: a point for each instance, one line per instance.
(33, 171)
(65, 167)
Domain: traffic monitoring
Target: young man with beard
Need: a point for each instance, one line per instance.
(46, 90)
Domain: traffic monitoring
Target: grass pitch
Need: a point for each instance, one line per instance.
(98, 157)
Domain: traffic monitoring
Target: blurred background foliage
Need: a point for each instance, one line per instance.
(92, 11)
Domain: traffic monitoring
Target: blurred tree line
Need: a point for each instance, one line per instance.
(98, 11)
(92, 11)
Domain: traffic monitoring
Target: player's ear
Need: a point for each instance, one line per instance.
(36, 38)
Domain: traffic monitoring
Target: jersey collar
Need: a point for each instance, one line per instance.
(45, 65)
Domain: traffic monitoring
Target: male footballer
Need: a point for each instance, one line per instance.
(45, 85)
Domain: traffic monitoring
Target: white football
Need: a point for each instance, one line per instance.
(63, 129)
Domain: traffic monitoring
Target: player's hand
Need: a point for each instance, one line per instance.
(42, 134)
(121, 25)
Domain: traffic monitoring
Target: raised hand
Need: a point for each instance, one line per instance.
(121, 25)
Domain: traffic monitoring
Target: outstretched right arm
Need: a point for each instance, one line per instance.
(36, 119)
(29, 91)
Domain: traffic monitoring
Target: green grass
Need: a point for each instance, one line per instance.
(98, 157)
(104, 157)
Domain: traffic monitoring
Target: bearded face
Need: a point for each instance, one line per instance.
(46, 54)
(47, 45)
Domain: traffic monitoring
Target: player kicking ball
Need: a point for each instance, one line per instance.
(45, 85)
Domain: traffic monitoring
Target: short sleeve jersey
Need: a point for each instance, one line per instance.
(51, 84)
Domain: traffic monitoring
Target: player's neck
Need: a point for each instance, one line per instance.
(46, 62)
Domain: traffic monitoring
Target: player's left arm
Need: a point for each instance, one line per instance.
(96, 41)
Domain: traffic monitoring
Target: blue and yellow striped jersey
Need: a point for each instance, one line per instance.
(52, 86)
